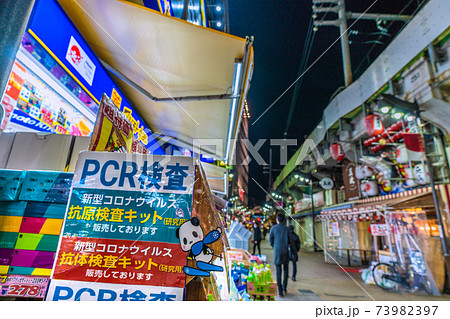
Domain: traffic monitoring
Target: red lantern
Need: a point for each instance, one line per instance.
(337, 152)
(373, 125)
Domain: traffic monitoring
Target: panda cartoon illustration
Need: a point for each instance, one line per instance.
(193, 240)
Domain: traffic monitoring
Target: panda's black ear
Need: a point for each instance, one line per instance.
(195, 221)
(177, 233)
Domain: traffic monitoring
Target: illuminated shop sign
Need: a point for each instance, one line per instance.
(74, 64)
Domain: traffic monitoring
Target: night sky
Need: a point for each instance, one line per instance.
(280, 29)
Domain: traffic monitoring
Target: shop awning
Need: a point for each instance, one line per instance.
(216, 177)
(187, 82)
(373, 206)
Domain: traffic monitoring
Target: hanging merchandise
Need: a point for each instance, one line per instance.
(414, 142)
(404, 155)
(421, 174)
(409, 175)
(373, 125)
(337, 152)
(363, 171)
(384, 183)
(359, 173)
(369, 188)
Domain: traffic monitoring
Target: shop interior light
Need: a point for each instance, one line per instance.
(398, 115)
(231, 175)
(301, 179)
(385, 109)
(219, 8)
(273, 194)
(296, 176)
(219, 24)
(410, 118)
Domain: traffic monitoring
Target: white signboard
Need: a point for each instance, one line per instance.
(64, 290)
(80, 61)
(379, 229)
(333, 229)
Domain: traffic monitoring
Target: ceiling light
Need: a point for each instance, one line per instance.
(385, 109)
(219, 24)
(410, 118)
(218, 8)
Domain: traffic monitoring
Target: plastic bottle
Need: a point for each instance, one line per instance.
(251, 275)
(260, 275)
(268, 274)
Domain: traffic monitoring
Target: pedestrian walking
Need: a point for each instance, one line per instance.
(264, 232)
(294, 247)
(279, 240)
(256, 238)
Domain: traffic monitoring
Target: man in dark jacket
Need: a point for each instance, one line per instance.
(256, 238)
(294, 247)
(279, 240)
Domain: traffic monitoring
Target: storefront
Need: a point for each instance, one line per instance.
(57, 81)
(399, 229)
(60, 230)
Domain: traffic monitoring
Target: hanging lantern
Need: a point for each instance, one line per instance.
(337, 152)
(369, 188)
(373, 125)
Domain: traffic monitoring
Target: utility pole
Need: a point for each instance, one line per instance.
(338, 7)
(311, 185)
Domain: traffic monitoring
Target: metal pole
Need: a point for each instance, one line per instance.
(313, 216)
(436, 205)
(344, 43)
(14, 15)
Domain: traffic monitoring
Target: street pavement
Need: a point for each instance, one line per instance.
(317, 280)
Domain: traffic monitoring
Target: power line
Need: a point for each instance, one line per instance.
(367, 56)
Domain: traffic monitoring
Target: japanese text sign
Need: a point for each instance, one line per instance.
(379, 229)
(120, 228)
(23, 286)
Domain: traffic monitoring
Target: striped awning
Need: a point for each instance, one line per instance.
(371, 208)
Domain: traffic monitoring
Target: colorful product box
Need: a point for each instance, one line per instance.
(10, 223)
(6, 256)
(8, 239)
(10, 183)
(32, 259)
(12, 208)
(47, 226)
(46, 186)
(4, 269)
(38, 242)
(45, 210)
(29, 271)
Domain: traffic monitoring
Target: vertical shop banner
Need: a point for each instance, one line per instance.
(119, 236)
(113, 131)
(350, 181)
